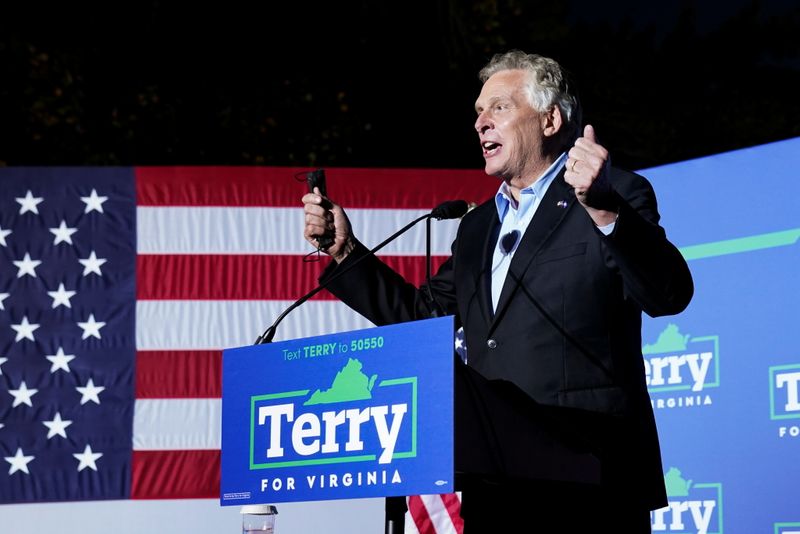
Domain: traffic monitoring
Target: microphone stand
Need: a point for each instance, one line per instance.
(395, 508)
(428, 290)
(428, 254)
(395, 515)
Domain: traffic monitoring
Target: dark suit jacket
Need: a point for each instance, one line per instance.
(567, 330)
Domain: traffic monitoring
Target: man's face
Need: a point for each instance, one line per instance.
(510, 129)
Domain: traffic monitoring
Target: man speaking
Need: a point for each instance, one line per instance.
(549, 280)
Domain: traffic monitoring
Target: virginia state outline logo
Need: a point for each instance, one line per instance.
(692, 507)
(681, 370)
(298, 429)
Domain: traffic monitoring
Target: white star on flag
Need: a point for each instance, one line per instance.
(3, 296)
(57, 426)
(90, 392)
(92, 264)
(27, 266)
(88, 458)
(24, 329)
(61, 296)
(2, 361)
(62, 233)
(91, 327)
(60, 360)
(94, 202)
(29, 203)
(19, 462)
(22, 395)
(3, 234)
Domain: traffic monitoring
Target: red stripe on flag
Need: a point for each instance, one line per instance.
(419, 513)
(453, 506)
(175, 474)
(277, 187)
(246, 277)
(178, 374)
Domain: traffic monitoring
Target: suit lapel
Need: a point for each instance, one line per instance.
(557, 202)
(477, 253)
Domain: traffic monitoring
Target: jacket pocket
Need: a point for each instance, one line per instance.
(561, 253)
(607, 399)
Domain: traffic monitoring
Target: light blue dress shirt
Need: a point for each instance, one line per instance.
(514, 220)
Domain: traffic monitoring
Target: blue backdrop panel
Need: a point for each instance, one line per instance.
(724, 375)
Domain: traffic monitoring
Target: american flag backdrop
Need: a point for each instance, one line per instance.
(120, 286)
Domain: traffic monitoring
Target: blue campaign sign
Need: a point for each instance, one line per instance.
(367, 413)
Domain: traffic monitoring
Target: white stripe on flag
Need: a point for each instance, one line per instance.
(439, 514)
(440, 520)
(212, 325)
(177, 424)
(409, 526)
(249, 230)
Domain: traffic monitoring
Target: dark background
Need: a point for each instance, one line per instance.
(389, 84)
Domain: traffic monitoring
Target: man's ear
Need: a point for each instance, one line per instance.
(552, 122)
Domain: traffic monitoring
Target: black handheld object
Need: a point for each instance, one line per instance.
(317, 179)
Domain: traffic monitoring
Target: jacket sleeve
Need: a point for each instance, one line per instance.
(373, 289)
(654, 272)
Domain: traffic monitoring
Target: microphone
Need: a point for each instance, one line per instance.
(508, 242)
(450, 209)
(446, 210)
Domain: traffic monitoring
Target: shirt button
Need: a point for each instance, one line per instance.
(491, 343)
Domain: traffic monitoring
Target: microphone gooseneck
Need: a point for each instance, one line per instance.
(446, 210)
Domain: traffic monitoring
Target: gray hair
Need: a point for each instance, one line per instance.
(547, 86)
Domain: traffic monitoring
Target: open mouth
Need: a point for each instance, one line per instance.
(490, 148)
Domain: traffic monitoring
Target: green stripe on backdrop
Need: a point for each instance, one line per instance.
(741, 244)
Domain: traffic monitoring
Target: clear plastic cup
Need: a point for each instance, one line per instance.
(258, 519)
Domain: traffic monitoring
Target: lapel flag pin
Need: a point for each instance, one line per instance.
(561, 203)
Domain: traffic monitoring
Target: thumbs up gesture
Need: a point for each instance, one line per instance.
(587, 172)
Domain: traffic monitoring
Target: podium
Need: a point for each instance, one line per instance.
(372, 413)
